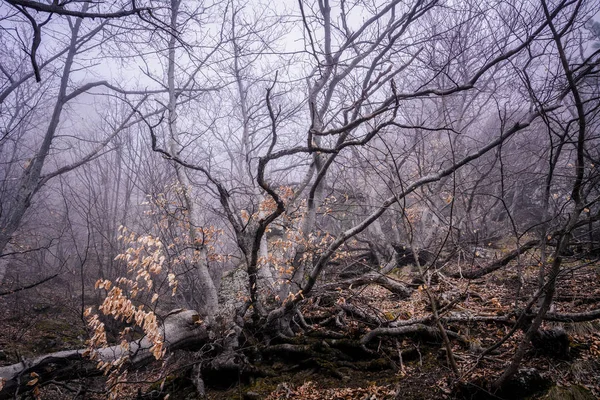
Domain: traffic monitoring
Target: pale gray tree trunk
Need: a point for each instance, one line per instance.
(265, 272)
(208, 289)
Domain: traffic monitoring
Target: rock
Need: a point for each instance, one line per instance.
(552, 342)
(574, 392)
(234, 285)
(526, 382)
(252, 396)
(404, 256)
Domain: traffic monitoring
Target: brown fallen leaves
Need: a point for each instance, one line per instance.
(310, 391)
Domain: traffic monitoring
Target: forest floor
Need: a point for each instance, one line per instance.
(405, 367)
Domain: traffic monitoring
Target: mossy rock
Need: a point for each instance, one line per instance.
(574, 392)
(527, 383)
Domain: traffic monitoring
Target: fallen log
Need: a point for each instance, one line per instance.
(584, 316)
(420, 329)
(181, 329)
(496, 265)
(394, 286)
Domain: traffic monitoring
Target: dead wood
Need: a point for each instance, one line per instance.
(496, 265)
(180, 329)
(419, 329)
(573, 317)
(394, 286)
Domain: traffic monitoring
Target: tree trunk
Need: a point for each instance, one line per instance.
(208, 289)
(29, 182)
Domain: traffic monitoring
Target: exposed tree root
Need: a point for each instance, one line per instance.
(326, 343)
(360, 314)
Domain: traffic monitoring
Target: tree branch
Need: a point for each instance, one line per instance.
(6, 293)
(56, 8)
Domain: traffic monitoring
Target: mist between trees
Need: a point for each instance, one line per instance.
(247, 159)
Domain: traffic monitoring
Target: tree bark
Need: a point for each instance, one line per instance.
(208, 289)
(496, 265)
(181, 329)
(377, 278)
(29, 182)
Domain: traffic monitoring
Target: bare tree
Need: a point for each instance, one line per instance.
(415, 132)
